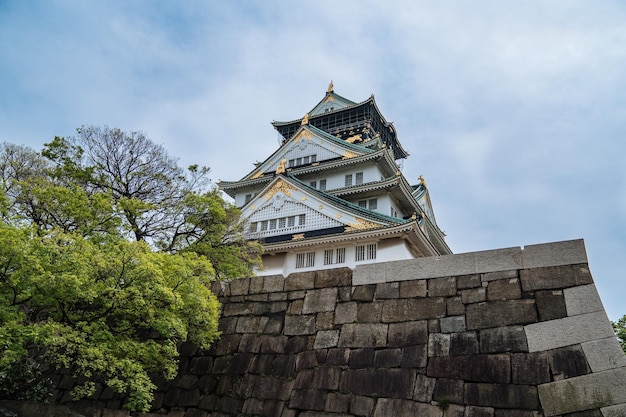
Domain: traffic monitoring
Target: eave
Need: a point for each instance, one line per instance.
(410, 231)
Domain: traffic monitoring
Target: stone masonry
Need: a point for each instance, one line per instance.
(505, 333)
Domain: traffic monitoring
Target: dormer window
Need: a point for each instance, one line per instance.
(305, 160)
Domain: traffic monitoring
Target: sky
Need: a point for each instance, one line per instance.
(514, 112)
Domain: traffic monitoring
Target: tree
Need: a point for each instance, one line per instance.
(157, 201)
(107, 251)
(620, 331)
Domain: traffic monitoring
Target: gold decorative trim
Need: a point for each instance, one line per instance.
(252, 207)
(303, 198)
(281, 166)
(331, 87)
(321, 207)
(339, 215)
(360, 224)
(353, 139)
(348, 155)
(280, 186)
(298, 236)
(305, 120)
(257, 175)
(304, 134)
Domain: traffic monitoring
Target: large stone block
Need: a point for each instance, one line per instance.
(363, 335)
(413, 289)
(552, 254)
(555, 277)
(386, 407)
(415, 356)
(363, 292)
(408, 333)
(530, 368)
(465, 343)
(604, 354)
(504, 289)
(369, 312)
(320, 300)
(567, 362)
(338, 277)
(498, 259)
(550, 305)
(568, 331)
(442, 287)
(408, 309)
(361, 358)
(240, 286)
(523, 397)
(582, 299)
(387, 358)
(387, 290)
(361, 405)
(477, 368)
(393, 383)
(326, 339)
(299, 325)
(500, 313)
(346, 313)
(503, 339)
(452, 324)
(614, 411)
(424, 388)
(450, 390)
(300, 281)
(595, 390)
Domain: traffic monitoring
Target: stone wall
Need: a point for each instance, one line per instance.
(510, 332)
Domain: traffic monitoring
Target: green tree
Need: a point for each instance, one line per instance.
(620, 331)
(107, 251)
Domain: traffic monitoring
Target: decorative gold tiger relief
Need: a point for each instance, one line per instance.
(280, 186)
(360, 224)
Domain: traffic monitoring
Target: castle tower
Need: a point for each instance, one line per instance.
(333, 194)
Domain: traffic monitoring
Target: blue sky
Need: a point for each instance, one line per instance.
(514, 112)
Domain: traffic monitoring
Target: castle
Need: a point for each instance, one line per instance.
(333, 194)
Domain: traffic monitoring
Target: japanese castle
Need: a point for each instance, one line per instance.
(333, 194)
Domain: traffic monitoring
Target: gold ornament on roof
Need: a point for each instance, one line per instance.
(360, 224)
(281, 166)
(305, 120)
(257, 175)
(280, 186)
(298, 236)
(331, 87)
(348, 155)
(304, 134)
(353, 139)
(422, 180)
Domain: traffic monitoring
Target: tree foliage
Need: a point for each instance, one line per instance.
(107, 251)
(620, 331)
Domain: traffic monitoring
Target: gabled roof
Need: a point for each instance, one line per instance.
(330, 102)
(319, 113)
(316, 138)
(287, 184)
(386, 163)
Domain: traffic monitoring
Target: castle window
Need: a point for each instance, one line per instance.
(313, 184)
(248, 198)
(272, 224)
(364, 252)
(264, 225)
(348, 180)
(313, 158)
(363, 203)
(291, 221)
(305, 260)
(305, 160)
(282, 222)
(298, 161)
(252, 227)
(323, 185)
(334, 256)
(373, 204)
(301, 219)
(292, 163)
(358, 178)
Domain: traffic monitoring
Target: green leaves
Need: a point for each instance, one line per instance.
(109, 311)
(107, 251)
